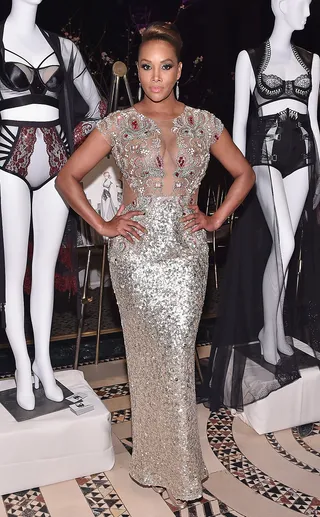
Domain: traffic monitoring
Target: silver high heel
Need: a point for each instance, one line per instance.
(27, 402)
(177, 502)
(158, 489)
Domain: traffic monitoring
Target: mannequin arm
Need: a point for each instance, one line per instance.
(242, 100)
(81, 162)
(313, 100)
(313, 114)
(82, 79)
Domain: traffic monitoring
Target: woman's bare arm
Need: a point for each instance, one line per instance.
(68, 184)
(233, 160)
(81, 162)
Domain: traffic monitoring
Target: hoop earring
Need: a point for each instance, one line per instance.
(177, 90)
(139, 92)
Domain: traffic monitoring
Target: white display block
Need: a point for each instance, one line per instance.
(291, 406)
(55, 447)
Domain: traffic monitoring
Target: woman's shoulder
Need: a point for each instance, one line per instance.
(200, 113)
(120, 114)
(114, 121)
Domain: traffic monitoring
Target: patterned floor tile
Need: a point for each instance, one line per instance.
(127, 442)
(280, 450)
(120, 416)
(296, 435)
(101, 496)
(108, 392)
(209, 506)
(316, 428)
(220, 436)
(29, 503)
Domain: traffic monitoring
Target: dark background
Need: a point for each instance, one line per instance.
(214, 29)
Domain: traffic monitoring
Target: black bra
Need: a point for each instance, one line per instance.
(270, 87)
(22, 77)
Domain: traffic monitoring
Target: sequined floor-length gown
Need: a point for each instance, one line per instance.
(160, 283)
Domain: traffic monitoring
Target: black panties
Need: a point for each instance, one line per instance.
(284, 141)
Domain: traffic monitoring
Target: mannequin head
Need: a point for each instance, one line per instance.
(159, 65)
(26, 2)
(293, 12)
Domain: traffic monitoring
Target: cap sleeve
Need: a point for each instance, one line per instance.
(215, 128)
(108, 127)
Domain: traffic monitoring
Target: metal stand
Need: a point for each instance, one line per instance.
(84, 301)
(119, 70)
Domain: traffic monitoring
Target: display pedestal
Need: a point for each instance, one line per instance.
(55, 447)
(291, 406)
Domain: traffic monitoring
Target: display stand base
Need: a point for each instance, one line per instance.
(291, 406)
(56, 446)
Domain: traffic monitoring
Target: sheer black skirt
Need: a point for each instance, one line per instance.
(238, 374)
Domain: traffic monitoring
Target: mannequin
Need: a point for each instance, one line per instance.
(290, 192)
(32, 132)
(268, 299)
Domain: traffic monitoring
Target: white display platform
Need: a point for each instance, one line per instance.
(56, 447)
(291, 406)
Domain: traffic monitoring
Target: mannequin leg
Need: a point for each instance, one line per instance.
(49, 213)
(296, 186)
(15, 209)
(273, 198)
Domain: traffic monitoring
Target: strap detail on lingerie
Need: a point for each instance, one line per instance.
(289, 112)
(25, 100)
(9, 136)
(24, 59)
(27, 123)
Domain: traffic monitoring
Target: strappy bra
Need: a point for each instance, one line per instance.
(40, 84)
(270, 87)
(22, 77)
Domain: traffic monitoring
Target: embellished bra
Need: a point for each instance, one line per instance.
(270, 87)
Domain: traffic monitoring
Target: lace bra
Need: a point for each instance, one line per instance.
(270, 87)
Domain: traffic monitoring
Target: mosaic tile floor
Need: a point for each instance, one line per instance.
(276, 475)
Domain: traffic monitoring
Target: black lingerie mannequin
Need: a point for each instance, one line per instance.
(285, 141)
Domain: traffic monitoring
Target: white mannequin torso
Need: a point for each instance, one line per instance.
(289, 193)
(284, 64)
(33, 46)
(31, 164)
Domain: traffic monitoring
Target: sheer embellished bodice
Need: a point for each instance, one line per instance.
(167, 158)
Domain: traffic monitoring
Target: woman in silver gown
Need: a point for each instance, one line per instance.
(158, 255)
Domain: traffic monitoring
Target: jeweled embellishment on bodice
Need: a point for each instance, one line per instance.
(142, 146)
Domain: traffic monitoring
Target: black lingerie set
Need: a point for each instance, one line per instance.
(59, 86)
(22, 84)
(283, 140)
